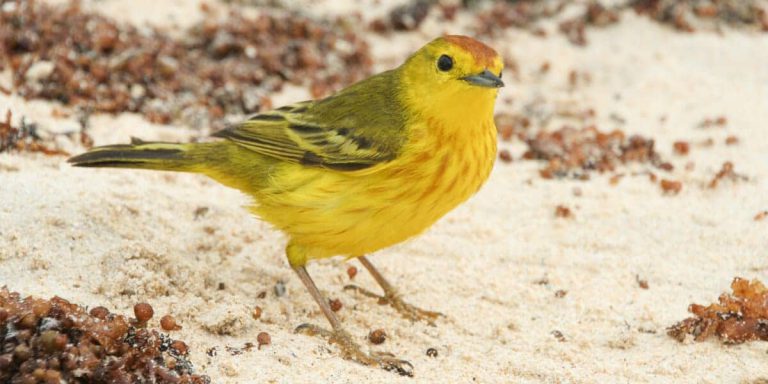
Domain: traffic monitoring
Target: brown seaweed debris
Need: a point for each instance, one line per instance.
(377, 336)
(595, 14)
(726, 172)
(23, 138)
(57, 341)
(670, 187)
(713, 122)
(572, 152)
(511, 126)
(687, 15)
(564, 212)
(681, 147)
(523, 14)
(736, 318)
(526, 14)
(505, 155)
(218, 67)
(405, 17)
(684, 15)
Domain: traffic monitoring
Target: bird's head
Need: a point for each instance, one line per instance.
(453, 75)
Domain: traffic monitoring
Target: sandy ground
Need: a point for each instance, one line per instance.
(114, 238)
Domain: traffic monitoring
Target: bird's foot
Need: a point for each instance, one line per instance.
(352, 351)
(395, 301)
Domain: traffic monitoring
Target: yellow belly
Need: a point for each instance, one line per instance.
(331, 213)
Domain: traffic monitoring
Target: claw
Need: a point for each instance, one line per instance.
(313, 330)
(351, 287)
(401, 367)
(406, 310)
(352, 351)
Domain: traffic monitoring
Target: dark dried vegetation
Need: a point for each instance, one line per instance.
(56, 341)
(689, 15)
(736, 318)
(221, 66)
(574, 152)
(683, 15)
(23, 137)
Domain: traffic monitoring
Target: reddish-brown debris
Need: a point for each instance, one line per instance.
(23, 138)
(736, 318)
(671, 187)
(572, 152)
(57, 341)
(335, 304)
(405, 17)
(505, 155)
(218, 67)
(563, 212)
(687, 15)
(511, 126)
(519, 14)
(596, 14)
(681, 147)
(684, 15)
(263, 338)
(642, 283)
(726, 172)
(377, 336)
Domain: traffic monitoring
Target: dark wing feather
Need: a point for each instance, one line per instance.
(359, 127)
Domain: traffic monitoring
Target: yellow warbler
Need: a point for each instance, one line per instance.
(366, 168)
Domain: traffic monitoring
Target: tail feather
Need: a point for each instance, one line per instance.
(138, 154)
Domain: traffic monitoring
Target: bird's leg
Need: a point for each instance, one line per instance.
(349, 349)
(393, 298)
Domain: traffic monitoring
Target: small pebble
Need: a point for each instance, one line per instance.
(642, 283)
(352, 272)
(180, 347)
(168, 323)
(99, 312)
(280, 288)
(335, 304)
(256, 313)
(52, 341)
(377, 336)
(681, 147)
(263, 338)
(671, 187)
(563, 212)
(505, 156)
(143, 312)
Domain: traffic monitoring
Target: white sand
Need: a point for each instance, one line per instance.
(118, 237)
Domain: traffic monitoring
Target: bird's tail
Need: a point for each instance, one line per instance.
(142, 155)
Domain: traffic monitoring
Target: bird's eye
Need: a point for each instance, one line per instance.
(445, 63)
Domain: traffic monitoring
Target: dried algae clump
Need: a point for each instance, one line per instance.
(57, 341)
(222, 66)
(736, 318)
(574, 152)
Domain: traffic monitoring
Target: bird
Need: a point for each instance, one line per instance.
(368, 167)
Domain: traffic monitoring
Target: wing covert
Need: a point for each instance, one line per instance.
(343, 132)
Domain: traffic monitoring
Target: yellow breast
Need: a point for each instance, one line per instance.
(353, 214)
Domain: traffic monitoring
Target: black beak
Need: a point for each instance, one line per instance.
(484, 79)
